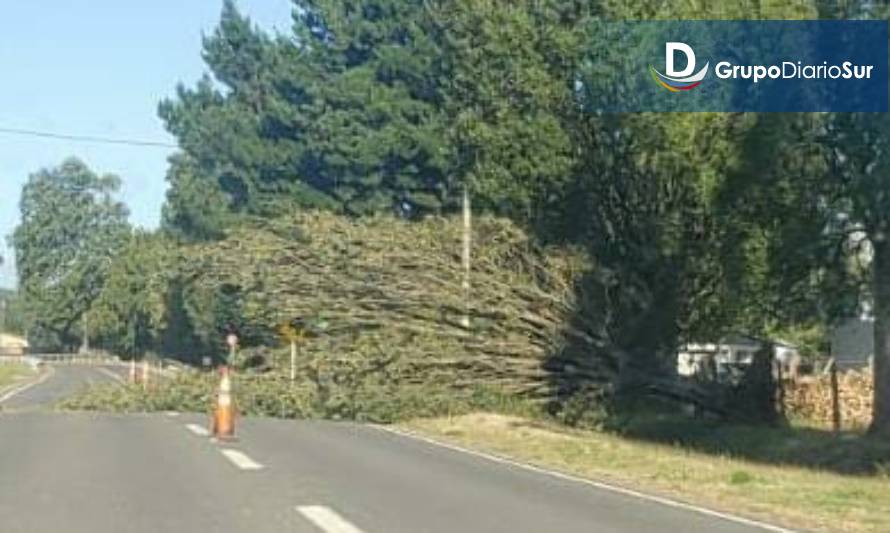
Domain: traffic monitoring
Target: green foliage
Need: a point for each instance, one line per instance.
(190, 392)
(71, 226)
(130, 314)
(196, 208)
(386, 340)
(508, 73)
(12, 317)
(381, 300)
(811, 339)
(274, 396)
(665, 197)
(740, 477)
(340, 118)
(388, 106)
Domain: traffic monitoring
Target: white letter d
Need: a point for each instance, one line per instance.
(669, 50)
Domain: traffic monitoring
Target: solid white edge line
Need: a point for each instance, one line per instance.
(200, 431)
(327, 519)
(18, 390)
(241, 460)
(111, 374)
(576, 479)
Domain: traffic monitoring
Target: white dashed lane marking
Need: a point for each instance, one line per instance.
(241, 460)
(327, 520)
(200, 431)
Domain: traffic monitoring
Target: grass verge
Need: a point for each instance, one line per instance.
(797, 497)
(13, 373)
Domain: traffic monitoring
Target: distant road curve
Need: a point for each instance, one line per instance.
(59, 382)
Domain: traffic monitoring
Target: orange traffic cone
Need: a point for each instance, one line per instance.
(224, 413)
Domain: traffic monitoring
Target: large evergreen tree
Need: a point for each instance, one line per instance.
(343, 116)
(507, 73)
(71, 226)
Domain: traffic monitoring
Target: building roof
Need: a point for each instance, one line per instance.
(12, 341)
(739, 340)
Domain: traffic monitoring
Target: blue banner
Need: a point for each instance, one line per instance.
(737, 66)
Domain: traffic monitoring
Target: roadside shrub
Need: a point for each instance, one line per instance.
(740, 477)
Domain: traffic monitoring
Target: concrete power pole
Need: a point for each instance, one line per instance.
(86, 335)
(467, 255)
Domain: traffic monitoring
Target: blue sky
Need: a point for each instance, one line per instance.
(99, 68)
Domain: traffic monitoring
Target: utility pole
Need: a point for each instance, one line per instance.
(86, 335)
(232, 341)
(467, 257)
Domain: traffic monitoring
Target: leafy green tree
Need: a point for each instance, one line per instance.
(811, 200)
(857, 191)
(786, 241)
(813, 196)
(71, 226)
(130, 314)
(652, 189)
(11, 315)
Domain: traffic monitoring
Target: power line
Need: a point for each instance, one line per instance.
(86, 138)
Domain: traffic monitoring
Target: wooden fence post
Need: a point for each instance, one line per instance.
(780, 392)
(835, 398)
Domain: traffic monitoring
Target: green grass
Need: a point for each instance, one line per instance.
(12, 373)
(850, 452)
(804, 482)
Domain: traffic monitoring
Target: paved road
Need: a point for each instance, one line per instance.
(106, 474)
(63, 381)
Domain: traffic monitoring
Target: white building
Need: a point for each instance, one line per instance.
(731, 353)
(12, 346)
(853, 342)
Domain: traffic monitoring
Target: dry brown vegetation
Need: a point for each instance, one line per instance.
(808, 399)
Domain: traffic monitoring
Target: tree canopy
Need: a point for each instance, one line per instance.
(71, 226)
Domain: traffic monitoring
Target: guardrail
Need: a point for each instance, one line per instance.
(29, 360)
(162, 367)
(78, 359)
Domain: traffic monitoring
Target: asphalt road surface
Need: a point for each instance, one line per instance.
(62, 381)
(161, 473)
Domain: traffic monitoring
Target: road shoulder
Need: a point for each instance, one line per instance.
(17, 387)
(734, 489)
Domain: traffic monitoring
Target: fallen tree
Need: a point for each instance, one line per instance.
(383, 303)
(377, 312)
